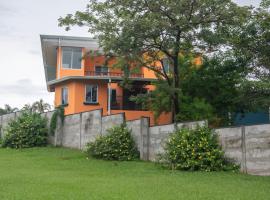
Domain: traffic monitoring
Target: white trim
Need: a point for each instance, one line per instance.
(109, 96)
(85, 89)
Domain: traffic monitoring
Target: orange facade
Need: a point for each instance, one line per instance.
(77, 90)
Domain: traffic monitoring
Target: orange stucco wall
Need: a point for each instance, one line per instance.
(76, 89)
(76, 96)
(76, 99)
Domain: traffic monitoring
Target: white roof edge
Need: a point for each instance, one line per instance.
(53, 82)
(62, 37)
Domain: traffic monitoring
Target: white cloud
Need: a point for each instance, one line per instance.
(22, 78)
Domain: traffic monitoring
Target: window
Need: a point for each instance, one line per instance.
(91, 94)
(64, 96)
(113, 96)
(101, 70)
(71, 58)
(166, 65)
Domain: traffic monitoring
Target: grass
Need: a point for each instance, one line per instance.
(58, 173)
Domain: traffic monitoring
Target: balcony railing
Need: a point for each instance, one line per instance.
(112, 74)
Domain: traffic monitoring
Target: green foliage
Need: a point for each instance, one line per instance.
(41, 106)
(194, 109)
(117, 145)
(38, 107)
(28, 130)
(59, 112)
(7, 109)
(130, 29)
(195, 150)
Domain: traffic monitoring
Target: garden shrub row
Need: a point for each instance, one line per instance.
(185, 149)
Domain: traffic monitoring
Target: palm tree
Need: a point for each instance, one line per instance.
(40, 106)
(8, 109)
(27, 108)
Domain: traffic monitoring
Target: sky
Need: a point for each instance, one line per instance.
(22, 78)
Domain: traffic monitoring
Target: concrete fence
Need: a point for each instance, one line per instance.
(249, 145)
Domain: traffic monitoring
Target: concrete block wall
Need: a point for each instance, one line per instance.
(5, 120)
(257, 149)
(232, 143)
(249, 146)
(159, 134)
(90, 126)
(140, 132)
(110, 121)
(80, 129)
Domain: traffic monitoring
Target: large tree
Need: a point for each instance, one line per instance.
(145, 31)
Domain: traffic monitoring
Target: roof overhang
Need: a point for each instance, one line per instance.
(51, 84)
(49, 45)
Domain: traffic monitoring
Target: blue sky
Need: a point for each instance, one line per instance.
(21, 67)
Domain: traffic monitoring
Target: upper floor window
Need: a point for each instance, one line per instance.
(91, 95)
(64, 96)
(71, 58)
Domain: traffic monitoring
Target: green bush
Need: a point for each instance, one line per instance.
(28, 130)
(194, 150)
(117, 145)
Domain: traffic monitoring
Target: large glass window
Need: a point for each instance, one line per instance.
(71, 57)
(64, 96)
(91, 94)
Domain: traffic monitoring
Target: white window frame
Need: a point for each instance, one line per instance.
(92, 85)
(62, 92)
(71, 67)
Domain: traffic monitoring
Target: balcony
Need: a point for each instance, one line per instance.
(112, 74)
(124, 103)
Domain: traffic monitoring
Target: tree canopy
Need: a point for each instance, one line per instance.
(147, 31)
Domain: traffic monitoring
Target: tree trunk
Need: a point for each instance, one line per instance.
(176, 85)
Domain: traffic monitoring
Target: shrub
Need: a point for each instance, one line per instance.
(28, 130)
(196, 149)
(58, 112)
(117, 145)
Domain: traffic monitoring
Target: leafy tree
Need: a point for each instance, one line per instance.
(142, 33)
(251, 41)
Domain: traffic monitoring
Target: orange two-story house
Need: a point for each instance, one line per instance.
(84, 83)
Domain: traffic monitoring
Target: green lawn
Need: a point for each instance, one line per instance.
(57, 173)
